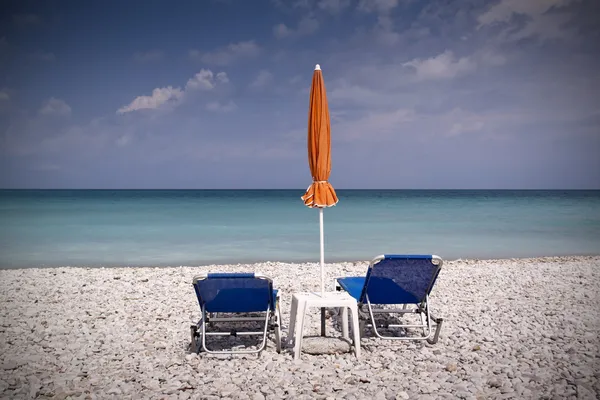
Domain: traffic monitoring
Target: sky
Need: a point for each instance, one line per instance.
(441, 94)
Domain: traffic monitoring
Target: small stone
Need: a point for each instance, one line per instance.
(173, 363)
(451, 367)
(10, 365)
(402, 396)
(476, 347)
(380, 396)
(114, 390)
(506, 389)
(494, 382)
(61, 395)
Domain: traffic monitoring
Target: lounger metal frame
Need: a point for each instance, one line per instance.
(367, 311)
(272, 321)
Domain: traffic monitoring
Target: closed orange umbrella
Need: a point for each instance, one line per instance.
(320, 193)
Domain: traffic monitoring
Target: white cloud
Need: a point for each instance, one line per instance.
(42, 56)
(442, 66)
(384, 31)
(544, 27)
(380, 6)
(148, 56)
(228, 54)
(492, 58)
(352, 94)
(158, 97)
(376, 84)
(541, 23)
(306, 26)
(263, 79)
(374, 125)
(204, 80)
(334, 7)
(222, 77)
(218, 107)
(460, 122)
(506, 9)
(54, 106)
(388, 125)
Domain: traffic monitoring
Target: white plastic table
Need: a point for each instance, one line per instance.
(301, 303)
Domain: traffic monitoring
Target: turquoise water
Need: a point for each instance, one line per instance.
(194, 227)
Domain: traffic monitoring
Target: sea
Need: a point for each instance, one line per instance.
(106, 228)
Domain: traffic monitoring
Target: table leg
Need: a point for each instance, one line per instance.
(345, 323)
(356, 330)
(293, 315)
(302, 305)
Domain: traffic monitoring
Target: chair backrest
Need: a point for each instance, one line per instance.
(400, 279)
(234, 292)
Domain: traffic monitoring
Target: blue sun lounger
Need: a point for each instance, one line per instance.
(239, 296)
(394, 280)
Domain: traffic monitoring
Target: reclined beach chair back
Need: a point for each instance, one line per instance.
(405, 280)
(240, 295)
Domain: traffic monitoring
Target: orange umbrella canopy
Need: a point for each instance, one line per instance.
(320, 193)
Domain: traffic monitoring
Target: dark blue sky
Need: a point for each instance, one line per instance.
(214, 93)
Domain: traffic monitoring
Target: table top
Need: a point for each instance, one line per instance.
(325, 298)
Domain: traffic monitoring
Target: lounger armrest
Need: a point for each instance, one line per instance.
(199, 277)
(336, 285)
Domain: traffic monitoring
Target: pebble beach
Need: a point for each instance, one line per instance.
(513, 328)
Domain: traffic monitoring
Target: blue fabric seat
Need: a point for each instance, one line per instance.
(239, 294)
(397, 280)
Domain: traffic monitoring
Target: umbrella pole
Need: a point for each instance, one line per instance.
(322, 252)
(322, 270)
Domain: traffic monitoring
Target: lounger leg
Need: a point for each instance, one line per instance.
(278, 327)
(322, 321)
(361, 327)
(425, 323)
(204, 331)
(356, 331)
(194, 343)
(438, 328)
(345, 323)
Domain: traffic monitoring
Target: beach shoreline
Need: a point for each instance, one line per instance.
(513, 328)
(328, 263)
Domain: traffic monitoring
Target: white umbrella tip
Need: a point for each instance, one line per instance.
(317, 67)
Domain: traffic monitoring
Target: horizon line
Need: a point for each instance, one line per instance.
(299, 189)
